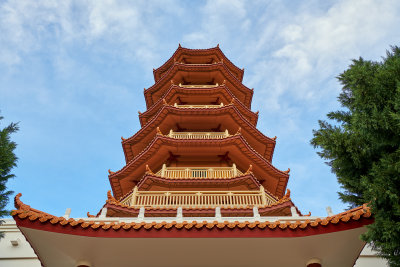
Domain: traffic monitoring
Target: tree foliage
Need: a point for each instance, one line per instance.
(8, 161)
(361, 144)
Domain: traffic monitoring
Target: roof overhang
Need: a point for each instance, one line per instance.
(55, 245)
(283, 241)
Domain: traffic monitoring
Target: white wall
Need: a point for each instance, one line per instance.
(21, 255)
(368, 258)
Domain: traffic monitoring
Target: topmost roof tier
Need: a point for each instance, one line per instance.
(198, 56)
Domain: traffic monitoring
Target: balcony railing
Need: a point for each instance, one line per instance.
(198, 135)
(198, 106)
(193, 199)
(199, 172)
(198, 85)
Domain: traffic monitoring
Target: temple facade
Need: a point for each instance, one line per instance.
(198, 188)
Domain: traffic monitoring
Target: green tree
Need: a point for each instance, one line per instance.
(361, 144)
(8, 161)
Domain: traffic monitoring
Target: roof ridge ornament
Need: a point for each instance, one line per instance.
(159, 132)
(18, 204)
(122, 138)
(239, 131)
(249, 170)
(110, 197)
(110, 172)
(148, 170)
(287, 171)
(287, 195)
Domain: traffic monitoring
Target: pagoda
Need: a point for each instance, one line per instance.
(198, 187)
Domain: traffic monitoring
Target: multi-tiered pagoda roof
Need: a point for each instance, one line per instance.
(198, 167)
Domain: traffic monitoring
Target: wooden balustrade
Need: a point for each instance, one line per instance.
(193, 199)
(198, 85)
(198, 106)
(198, 135)
(199, 172)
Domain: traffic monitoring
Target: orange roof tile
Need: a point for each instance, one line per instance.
(24, 212)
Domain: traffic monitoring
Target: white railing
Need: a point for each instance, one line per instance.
(198, 135)
(198, 106)
(198, 85)
(193, 199)
(199, 172)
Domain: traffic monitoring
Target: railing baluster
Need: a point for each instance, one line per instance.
(189, 198)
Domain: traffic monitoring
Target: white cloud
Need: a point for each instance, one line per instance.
(29, 26)
(314, 45)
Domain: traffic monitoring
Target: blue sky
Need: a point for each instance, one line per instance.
(73, 73)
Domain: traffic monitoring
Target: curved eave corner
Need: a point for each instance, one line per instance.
(34, 219)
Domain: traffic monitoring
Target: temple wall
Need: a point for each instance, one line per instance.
(20, 255)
